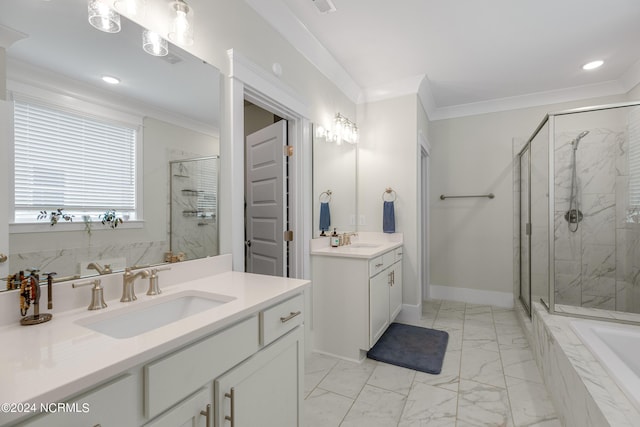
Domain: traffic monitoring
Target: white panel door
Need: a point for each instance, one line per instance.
(6, 116)
(378, 305)
(264, 192)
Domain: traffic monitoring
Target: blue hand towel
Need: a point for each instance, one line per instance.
(325, 216)
(388, 218)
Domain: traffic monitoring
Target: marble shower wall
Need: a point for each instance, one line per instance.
(194, 218)
(594, 267)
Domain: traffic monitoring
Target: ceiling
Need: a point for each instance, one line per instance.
(57, 38)
(468, 55)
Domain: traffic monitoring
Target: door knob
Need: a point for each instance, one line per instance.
(247, 243)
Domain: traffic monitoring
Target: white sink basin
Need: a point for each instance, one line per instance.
(364, 245)
(142, 317)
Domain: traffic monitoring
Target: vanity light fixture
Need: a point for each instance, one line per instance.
(130, 8)
(153, 44)
(344, 130)
(181, 31)
(102, 17)
(111, 80)
(592, 65)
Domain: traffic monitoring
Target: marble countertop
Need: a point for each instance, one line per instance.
(366, 245)
(46, 363)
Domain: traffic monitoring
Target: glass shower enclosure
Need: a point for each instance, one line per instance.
(578, 186)
(194, 207)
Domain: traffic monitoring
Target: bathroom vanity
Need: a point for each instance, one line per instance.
(357, 292)
(236, 359)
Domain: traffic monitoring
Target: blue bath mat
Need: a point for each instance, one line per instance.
(411, 347)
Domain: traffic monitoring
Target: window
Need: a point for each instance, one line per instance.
(73, 161)
(634, 159)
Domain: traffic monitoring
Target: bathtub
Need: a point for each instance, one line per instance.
(617, 348)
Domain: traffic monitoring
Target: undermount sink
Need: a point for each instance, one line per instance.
(142, 317)
(364, 245)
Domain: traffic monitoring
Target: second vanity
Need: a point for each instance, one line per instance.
(236, 364)
(357, 292)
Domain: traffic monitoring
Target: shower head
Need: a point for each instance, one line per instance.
(578, 138)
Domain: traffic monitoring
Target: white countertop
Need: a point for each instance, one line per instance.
(366, 245)
(49, 362)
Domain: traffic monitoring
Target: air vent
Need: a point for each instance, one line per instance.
(324, 6)
(172, 58)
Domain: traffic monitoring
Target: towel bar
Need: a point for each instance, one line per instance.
(489, 196)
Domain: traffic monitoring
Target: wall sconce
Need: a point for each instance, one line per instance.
(102, 17)
(130, 8)
(343, 130)
(153, 44)
(181, 31)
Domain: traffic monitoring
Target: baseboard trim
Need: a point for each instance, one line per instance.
(473, 296)
(409, 313)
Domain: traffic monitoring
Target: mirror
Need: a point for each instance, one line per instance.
(176, 97)
(334, 172)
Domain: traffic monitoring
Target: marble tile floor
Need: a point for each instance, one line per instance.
(489, 378)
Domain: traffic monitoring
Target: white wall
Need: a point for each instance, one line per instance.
(232, 24)
(471, 239)
(387, 158)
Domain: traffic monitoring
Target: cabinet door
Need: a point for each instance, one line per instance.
(191, 412)
(378, 305)
(266, 389)
(395, 291)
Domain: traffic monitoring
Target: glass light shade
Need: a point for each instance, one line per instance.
(153, 44)
(181, 31)
(102, 17)
(130, 8)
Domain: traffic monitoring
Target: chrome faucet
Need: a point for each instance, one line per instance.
(100, 269)
(128, 282)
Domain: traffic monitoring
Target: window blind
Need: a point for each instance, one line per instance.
(72, 161)
(634, 158)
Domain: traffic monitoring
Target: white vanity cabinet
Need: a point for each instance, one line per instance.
(354, 301)
(251, 372)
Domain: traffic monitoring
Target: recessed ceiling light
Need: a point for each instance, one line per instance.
(111, 80)
(592, 65)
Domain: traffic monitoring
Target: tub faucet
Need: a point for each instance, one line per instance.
(100, 269)
(128, 282)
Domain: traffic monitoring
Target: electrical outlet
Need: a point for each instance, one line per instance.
(362, 220)
(352, 220)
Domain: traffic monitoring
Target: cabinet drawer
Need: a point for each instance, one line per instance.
(113, 404)
(174, 377)
(376, 265)
(397, 252)
(280, 319)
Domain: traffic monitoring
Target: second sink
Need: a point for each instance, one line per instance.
(147, 316)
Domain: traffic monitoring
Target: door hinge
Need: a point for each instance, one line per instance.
(288, 236)
(288, 150)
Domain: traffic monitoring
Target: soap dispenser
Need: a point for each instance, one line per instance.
(335, 239)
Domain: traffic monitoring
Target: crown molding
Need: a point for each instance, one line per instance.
(280, 17)
(9, 36)
(614, 87)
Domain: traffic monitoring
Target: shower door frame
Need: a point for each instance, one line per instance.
(550, 118)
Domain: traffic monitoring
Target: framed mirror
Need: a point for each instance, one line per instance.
(174, 102)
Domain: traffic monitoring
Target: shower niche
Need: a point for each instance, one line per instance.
(579, 212)
(194, 208)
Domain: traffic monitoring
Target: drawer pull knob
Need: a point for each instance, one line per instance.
(207, 415)
(231, 396)
(290, 316)
(379, 265)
